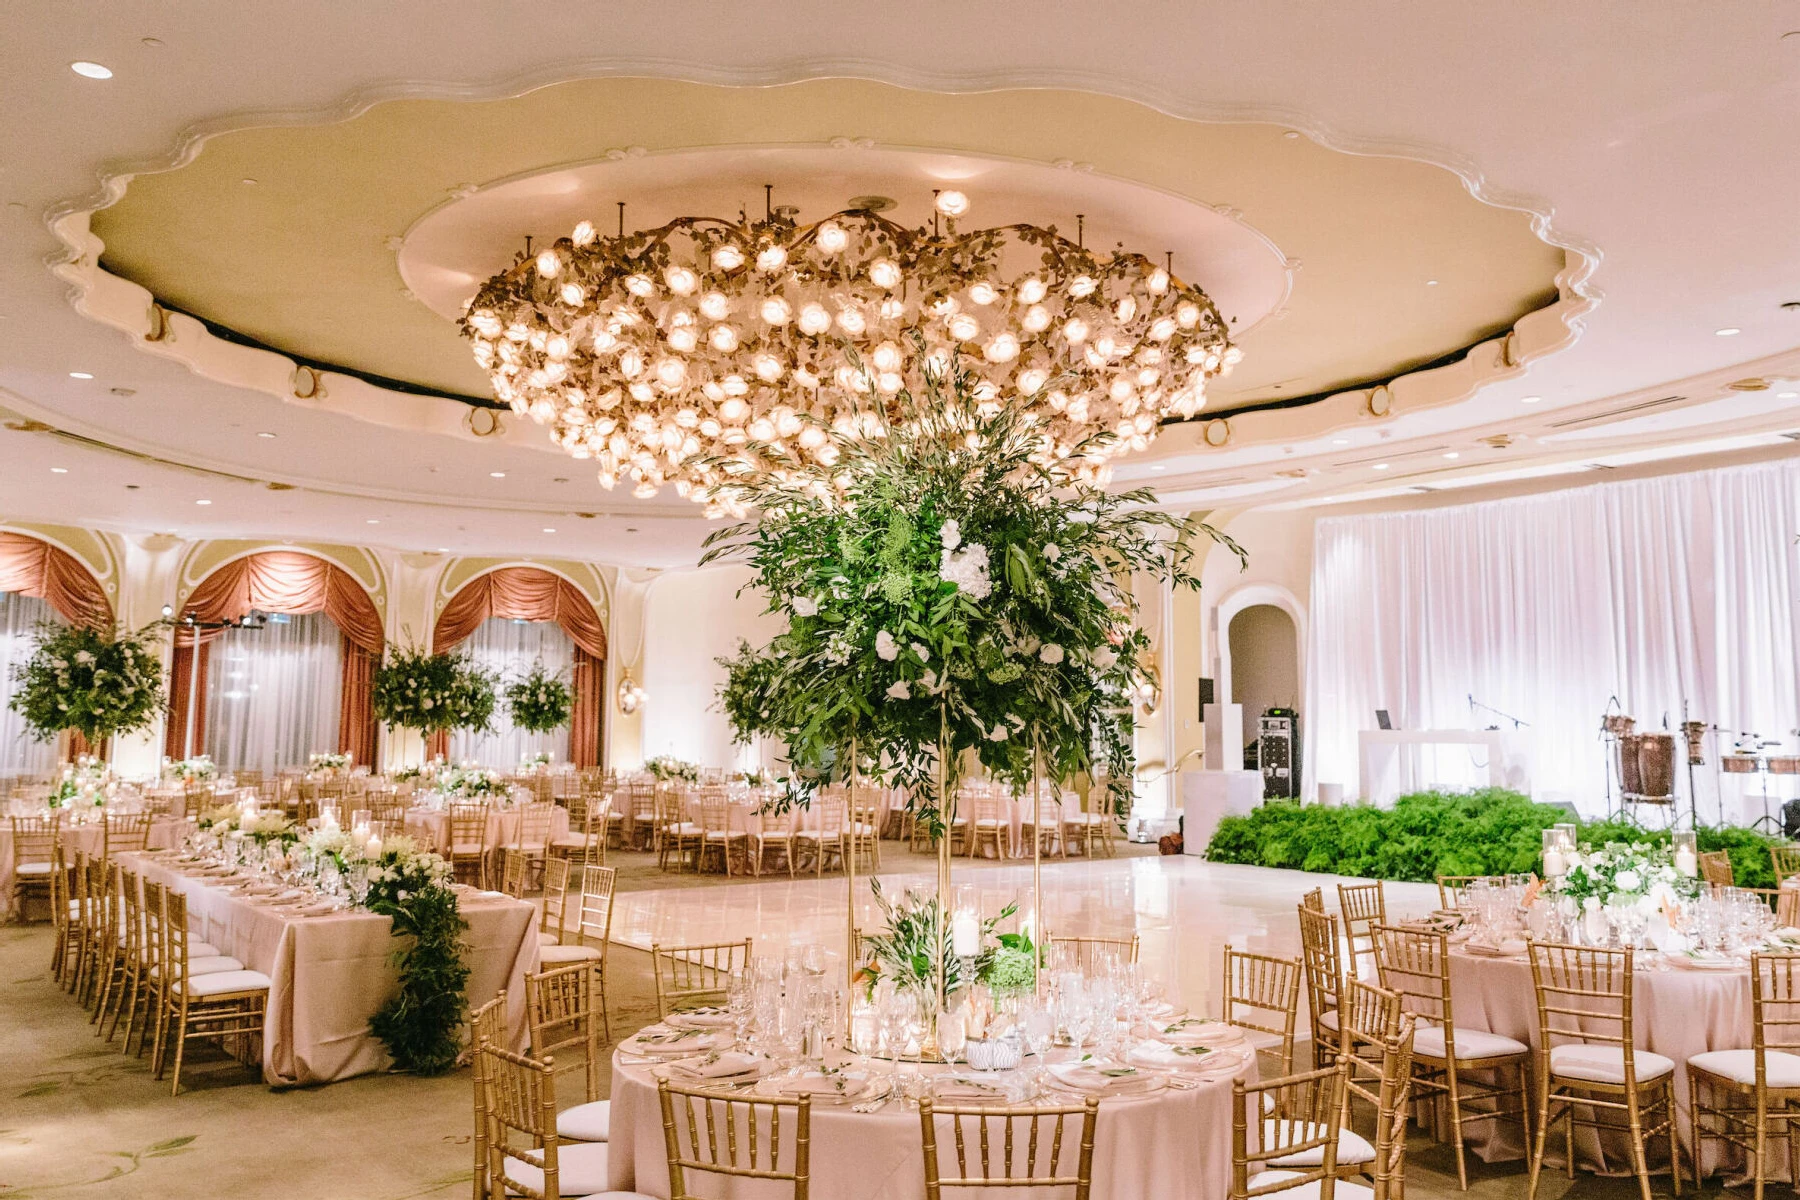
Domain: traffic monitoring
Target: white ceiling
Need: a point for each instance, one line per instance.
(1661, 137)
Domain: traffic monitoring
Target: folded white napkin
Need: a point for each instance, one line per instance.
(960, 1089)
(1197, 1032)
(1100, 1077)
(715, 1066)
(699, 1018)
(816, 1083)
(663, 1042)
(1180, 1058)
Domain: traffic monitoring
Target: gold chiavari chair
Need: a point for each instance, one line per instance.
(90, 891)
(34, 851)
(989, 825)
(718, 835)
(1392, 1105)
(487, 1026)
(532, 835)
(110, 949)
(593, 931)
(751, 1145)
(1048, 830)
(639, 829)
(65, 918)
(1364, 906)
(1084, 952)
(227, 1003)
(677, 837)
(553, 914)
(1030, 1142)
(1749, 1098)
(580, 843)
(864, 833)
(1786, 861)
(194, 801)
(695, 975)
(1322, 955)
(825, 834)
(515, 872)
(1715, 868)
(119, 1000)
(565, 1008)
(1451, 888)
(1587, 1058)
(1313, 900)
(770, 831)
(1787, 908)
(1457, 1069)
(469, 846)
(1370, 1023)
(1297, 1116)
(125, 833)
(1262, 997)
(248, 777)
(521, 1108)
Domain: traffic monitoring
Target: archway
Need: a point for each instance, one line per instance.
(1265, 662)
(38, 582)
(532, 594)
(284, 584)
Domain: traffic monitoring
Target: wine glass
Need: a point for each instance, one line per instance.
(739, 1002)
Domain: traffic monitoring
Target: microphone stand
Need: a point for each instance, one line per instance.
(1517, 723)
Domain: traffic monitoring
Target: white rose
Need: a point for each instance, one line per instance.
(1105, 657)
(921, 651)
(1000, 733)
(1052, 551)
(1051, 654)
(1627, 881)
(805, 606)
(885, 646)
(428, 704)
(900, 690)
(950, 534)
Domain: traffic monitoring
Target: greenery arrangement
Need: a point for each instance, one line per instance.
(86, 781)
(902, 951)
(193, 770)
(470, 782)
(949, 593)
(540, 702)
(1489, 831)
(670, 769)
(97, 680)
(433, 692)
(422, 1024)
(328, 762)
(1625, 872)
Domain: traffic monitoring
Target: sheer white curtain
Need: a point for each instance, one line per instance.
(511, 648)
(1651, 591)
(272, 694)
(20, 753)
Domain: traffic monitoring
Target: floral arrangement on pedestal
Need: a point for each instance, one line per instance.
(328, 762)
(97, 680)
(470, 782)
(949, 592)
(540, 702)
(197, 769)
(669, 769)
(433, 692)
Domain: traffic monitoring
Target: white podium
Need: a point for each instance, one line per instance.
(1505, 766)
(1208, 797)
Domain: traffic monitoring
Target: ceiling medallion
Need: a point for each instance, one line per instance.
(708, 350)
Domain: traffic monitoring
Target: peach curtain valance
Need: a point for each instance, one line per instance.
(520, 594)
(36, 568)
(281, 581)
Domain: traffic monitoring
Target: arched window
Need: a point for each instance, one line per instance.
(38, 582)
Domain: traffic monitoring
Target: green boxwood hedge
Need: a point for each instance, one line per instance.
(1490, 831)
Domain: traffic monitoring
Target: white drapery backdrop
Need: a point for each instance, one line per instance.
(20, 753)
(1655, 591)
(273, 694)
(511, 648)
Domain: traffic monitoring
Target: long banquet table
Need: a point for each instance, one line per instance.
(330, 974)
(1176, 1142)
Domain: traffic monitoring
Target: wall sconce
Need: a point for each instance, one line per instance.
(630, 695)
(1147, 692)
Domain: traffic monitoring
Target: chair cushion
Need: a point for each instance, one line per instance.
(1352, 1147)
(31, 868)
(202, 950)
(468, 848)
(228, 981)
(1309, 1191)
(685, 829)
(566, 954)
(212, 964)
(1329, 1020)
(1605, 1064)
(586, 1122)
(1739, 1066)
(548, 939)
(1470, 1044)
(580, 1169)
(573, 842)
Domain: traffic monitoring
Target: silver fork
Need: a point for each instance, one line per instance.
(875, 1104)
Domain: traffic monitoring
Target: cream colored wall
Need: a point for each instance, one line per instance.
(692, 618)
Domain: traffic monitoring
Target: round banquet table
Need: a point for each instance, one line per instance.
(1176, 1142)
(86, 838)
(431, 826)
(1676, 1012)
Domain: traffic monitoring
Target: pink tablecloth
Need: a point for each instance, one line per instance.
(431, 827)
(87, 839)
(1174, 1143)
(1676, 1013)
(331, 974)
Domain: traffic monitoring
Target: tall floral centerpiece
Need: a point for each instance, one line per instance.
(950, 593)
(539, 702)
(433, 693)
(97, 680)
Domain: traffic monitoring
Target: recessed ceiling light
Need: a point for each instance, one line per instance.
(1787, 395)
(443, 549)
(1158, 467)
(79, 375)
(1291, 134)
(1529, 399)
(1381, 466)
(265, 434)
(1431, 283)
(203, 503)
(1727, 332)
(90, 70)
(1340, 441)
(247, 181)
(547, 529)
(1452, 454)
(497, 474)
(372, 521)
(59, 470)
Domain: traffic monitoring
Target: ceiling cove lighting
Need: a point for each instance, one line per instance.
(707, 351)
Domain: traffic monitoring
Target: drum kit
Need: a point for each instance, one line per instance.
(1645, 763)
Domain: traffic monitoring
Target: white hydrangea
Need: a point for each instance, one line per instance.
(1052, 551)
(886, 648)
(967, 569)
(950, 534)
(1051, 653)
(1105, 658)
(805, 606)
(1000, 733)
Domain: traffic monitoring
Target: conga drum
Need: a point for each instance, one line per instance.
(1618, 724)
(1739, 764)
(1631, 777)
(1784, 764)
(1656, 764)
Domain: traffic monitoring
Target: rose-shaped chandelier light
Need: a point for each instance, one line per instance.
(708, 350)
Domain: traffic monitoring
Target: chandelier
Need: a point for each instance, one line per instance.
(707, 350)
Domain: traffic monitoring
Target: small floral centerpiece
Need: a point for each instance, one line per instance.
(540, 702)
(432, 692)
(266, 827)
(86, 782)
(902, 952)
(328, 762)
(221, 820)
(669, 769)
(470, 782)
(1618, 874)
(194, 770)
(98, 680)
(535, 762)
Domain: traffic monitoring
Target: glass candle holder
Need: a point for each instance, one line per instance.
(1686, 845)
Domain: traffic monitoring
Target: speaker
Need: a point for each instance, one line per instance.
(1206, 693)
